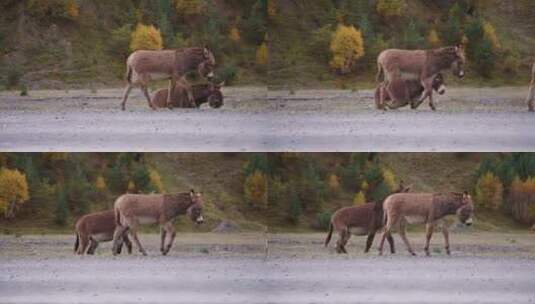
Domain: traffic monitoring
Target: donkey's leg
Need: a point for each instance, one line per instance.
(145, 91)
(531, 97)
(125, 96)
(446, 237)
(92, 247)
(133, 233)
(170, 91)
(128, 244)
(403, 235)
(170, 227)
(162, 238)
(369, 241)
(339, 242)
(386, 233)
(428, 234)
(118, 236)
(391, 243)
(83, 244)
(345, 239)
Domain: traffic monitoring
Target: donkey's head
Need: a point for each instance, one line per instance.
(215, 100)
(402, 188)
(459, 58)
(207, 65)
(438, 84)
(195, 209)
(466, 209)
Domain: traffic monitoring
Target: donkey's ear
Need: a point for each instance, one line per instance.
(192, 192)
(407, 189)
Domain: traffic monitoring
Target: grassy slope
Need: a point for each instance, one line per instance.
(218, 176)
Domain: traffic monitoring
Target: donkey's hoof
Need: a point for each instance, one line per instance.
(413, 254)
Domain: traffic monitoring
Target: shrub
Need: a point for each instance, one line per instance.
(62, 208)
(489, 191)
(347, 46)
(490, 34)
(522, 200)
(228, 74)
(156, 181)
(380, 192)
(255, 189)
(323, 220)
(100, 184)
(146, 37)
(13, 77)
(234, 34)
(13, 191)
(295, 209)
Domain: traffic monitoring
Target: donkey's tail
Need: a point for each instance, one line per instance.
(128, 74)
(328, 239)
(380, 73)
(76, 243)
(117, 217)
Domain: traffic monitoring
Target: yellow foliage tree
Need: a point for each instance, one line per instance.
(334, 184)
(131, 187)
(347, 46)
(262, 55)
(234, 34)
(390, 8)
(71, 7)
(433, 38)
(255, 189)
(100, 183)
(188, 8)
(13, 191)
(364, 186)
(359, 198)
(489, 191)
(146, 37)
(156, 180)
(271, 8)
(389, 179)
(490, 33)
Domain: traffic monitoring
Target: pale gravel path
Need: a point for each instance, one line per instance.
(309, 120)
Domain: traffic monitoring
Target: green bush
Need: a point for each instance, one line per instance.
(228, 74)
(323, 220)
(295, 209)
(62, 208)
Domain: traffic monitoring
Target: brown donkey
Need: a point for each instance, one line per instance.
(360, 220)
(202, 93)
(531, 94)
(425, 208)
(422, 65)
(93, 228)
(132, 210)
(143, 66)
(406, 91)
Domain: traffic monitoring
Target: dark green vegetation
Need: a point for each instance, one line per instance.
(499, 36)
(284, 191)
(66, 43)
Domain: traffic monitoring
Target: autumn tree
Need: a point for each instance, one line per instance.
(156, 181)
(433, 39)
(347, 46)
(334, 184)
(13, 191)
(490, 34)
(489, 191)
(255, 189)
(146, 37)
(262, 55)
(522, 200)
(359, 198)
(234, 34)
(100, 184)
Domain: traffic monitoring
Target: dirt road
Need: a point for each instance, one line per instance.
(254, 119)
(233, 268)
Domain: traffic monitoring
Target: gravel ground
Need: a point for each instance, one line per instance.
(233, 268)
(255, 119)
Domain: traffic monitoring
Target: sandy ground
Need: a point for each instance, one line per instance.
(234, 268)
(255, 119)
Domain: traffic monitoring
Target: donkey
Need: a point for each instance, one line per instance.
(96, 227)
(422, 65)
(405, 91)
(360, 220)
(202, 93)
(425, 208)
(143, 66)
(531, 94)
(131, 210)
